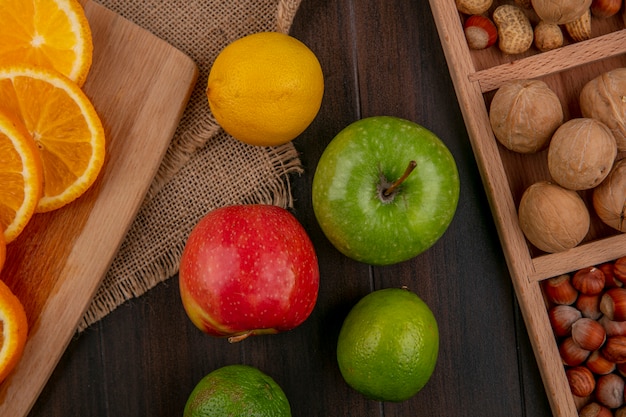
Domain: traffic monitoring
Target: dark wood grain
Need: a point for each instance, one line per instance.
(378, 58)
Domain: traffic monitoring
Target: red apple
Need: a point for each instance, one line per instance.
(248, 270)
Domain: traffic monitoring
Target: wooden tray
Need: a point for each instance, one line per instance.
(140, 86)
(476, 75)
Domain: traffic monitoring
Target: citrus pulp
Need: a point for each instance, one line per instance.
(21, 177)
(388, 345)
(237, 391)
(64, 124)
(54, 34)
(265, 89)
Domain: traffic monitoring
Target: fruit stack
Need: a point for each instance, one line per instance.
(50, 128)
(52, 143)
(384, 191)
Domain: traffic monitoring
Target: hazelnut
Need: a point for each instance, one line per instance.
(619, 269)
(589, 305)
(614, 349)
(613, 304)
(562, 317)
(613, 328)
(581, 153)
(602, 98)
(610, 390)
(610, 280)
(581, 381)
(620, 412)
(598, 364)
(609, 198)
(480, 32)
(589, 280)
(559, 290)
(605, 8)
(588, 334)
(560, 11)
(594, 409)
(553, 218)
(571, 353)
(524, 114)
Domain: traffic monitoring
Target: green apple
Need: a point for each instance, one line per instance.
(385, 190)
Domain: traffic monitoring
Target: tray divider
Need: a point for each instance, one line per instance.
(560, 59)
(592, 253)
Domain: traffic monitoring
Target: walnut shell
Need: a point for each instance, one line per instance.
(553, 218)
(609, 198)
(581, 153)
(524, 114)
(560, 11)
(604, 98)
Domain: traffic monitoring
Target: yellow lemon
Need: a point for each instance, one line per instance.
(265, 89)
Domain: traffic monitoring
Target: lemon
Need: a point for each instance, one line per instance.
(237, 391)
(388, 345)
(265, 89)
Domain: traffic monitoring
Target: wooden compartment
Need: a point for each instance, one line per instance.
(476, 75)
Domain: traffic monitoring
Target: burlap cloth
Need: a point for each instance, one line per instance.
(204, 168)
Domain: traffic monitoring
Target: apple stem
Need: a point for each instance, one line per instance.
(394, 186)
(239, 337)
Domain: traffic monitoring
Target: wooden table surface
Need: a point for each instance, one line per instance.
(379, 58)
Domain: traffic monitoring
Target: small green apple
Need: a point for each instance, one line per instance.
(385, 190)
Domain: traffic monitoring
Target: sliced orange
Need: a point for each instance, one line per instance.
(65, 126)
(51, 33)
(21, 178)
(13, 330)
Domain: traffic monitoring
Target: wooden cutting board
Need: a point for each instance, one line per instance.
(140, 86)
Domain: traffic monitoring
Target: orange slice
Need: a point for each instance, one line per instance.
(13, 330)
(50, 33)
(65, 126)
(21, 178)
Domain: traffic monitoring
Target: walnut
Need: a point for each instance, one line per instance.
(581, 153)
(609, 198)
(604, 98)
(553, 218)
(560, 11)
(524, 114)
